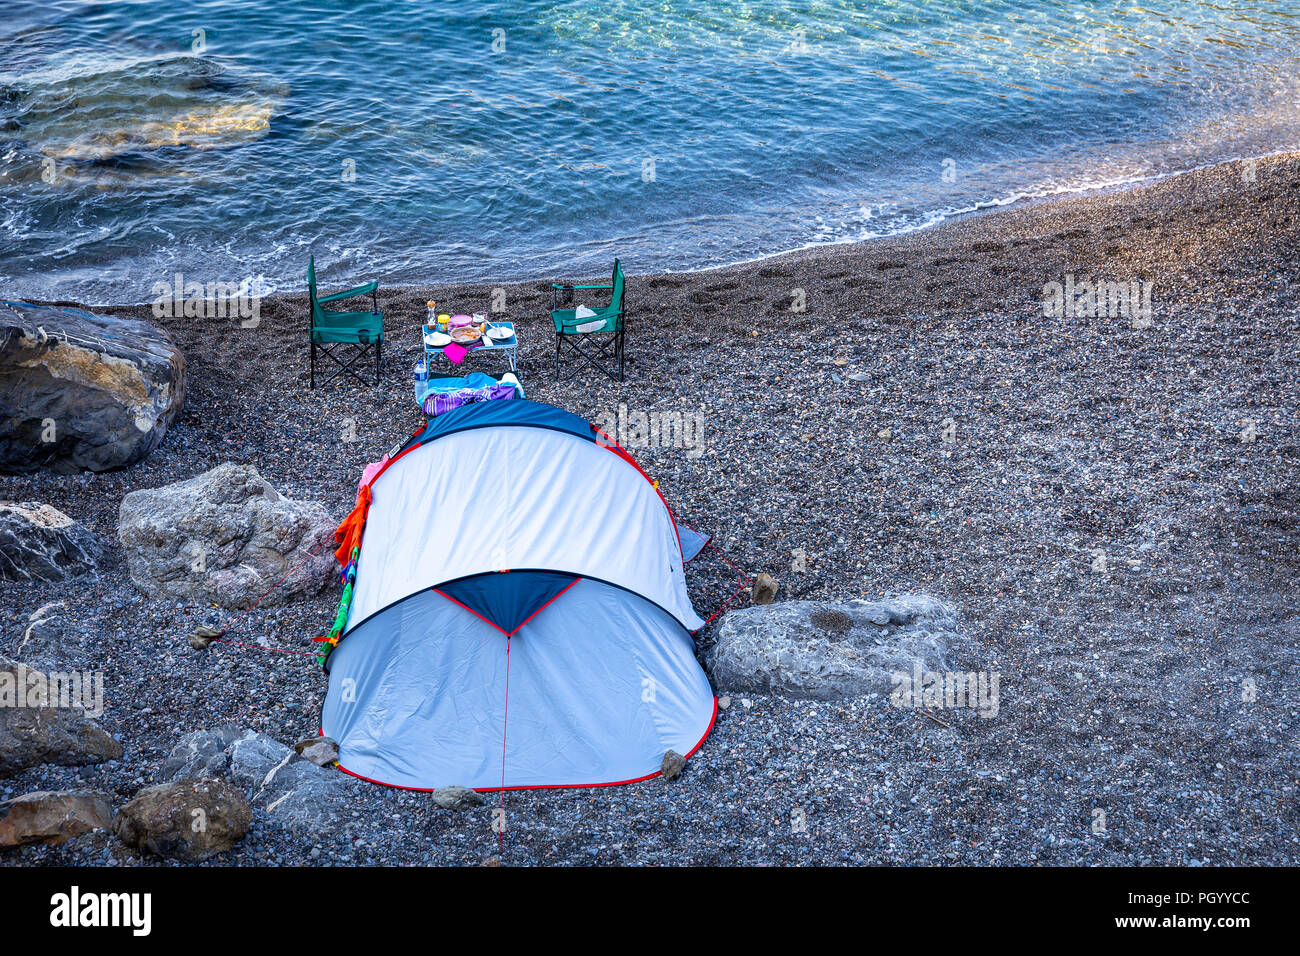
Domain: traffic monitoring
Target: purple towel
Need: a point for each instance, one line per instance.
(440, 403)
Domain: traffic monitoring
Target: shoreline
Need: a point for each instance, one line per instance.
(900, 273)
(1016, 203)
(825, 464)
(1074, 205)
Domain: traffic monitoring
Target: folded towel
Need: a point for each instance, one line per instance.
(455, 353)
(439, 403)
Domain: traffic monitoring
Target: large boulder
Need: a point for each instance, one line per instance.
(294, 792)
(33, 733)
(224, 537)
(83, 391)
(50, 817)
(829, 650)
(191, 819)
(40, 543)
(203, 753)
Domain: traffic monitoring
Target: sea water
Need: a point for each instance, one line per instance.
(224, 140)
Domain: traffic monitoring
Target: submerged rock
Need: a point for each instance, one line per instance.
(191, 819)
(53, 817)
(83, 391)
(225, 537)
(828, 650)
(40, 543)
(146, 101)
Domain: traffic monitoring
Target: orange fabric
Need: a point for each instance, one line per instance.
(348, 534)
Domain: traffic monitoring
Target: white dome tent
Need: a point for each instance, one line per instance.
(519, 615)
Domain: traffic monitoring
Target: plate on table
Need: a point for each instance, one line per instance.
(466, 335)
(500, 333)
(437, 339)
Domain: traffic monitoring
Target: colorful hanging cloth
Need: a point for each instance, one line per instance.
(348, 533)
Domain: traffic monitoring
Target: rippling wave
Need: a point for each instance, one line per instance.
(506, 140)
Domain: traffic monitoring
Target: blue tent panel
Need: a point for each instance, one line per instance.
(692, 541)
(600, 685)
(508, 599)
(490, 414)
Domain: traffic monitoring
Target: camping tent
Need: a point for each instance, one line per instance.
(519, 615)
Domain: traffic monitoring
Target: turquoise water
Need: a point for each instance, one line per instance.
(494, 141)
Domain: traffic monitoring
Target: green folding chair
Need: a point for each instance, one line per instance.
(593, 340)
(334, 331)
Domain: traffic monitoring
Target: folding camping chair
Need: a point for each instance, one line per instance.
(605, 330)
(332, 331)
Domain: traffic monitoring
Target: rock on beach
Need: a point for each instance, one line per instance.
(41, 543)
(829, 650)
(190, 820)
(81, 391)
(296, 793)
(32, 734)
(49, 817)
(225, 537)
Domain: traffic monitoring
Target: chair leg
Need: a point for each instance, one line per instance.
(312, 374)
(621, 349)
(559, 339)
(353, 358)
(598, 355)
(379, 351)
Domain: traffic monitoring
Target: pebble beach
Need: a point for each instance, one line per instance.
(1112, 508)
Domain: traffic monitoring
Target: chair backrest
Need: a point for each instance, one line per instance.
(618, 291)
(314, 310)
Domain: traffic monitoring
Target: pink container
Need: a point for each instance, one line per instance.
(460, 321)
